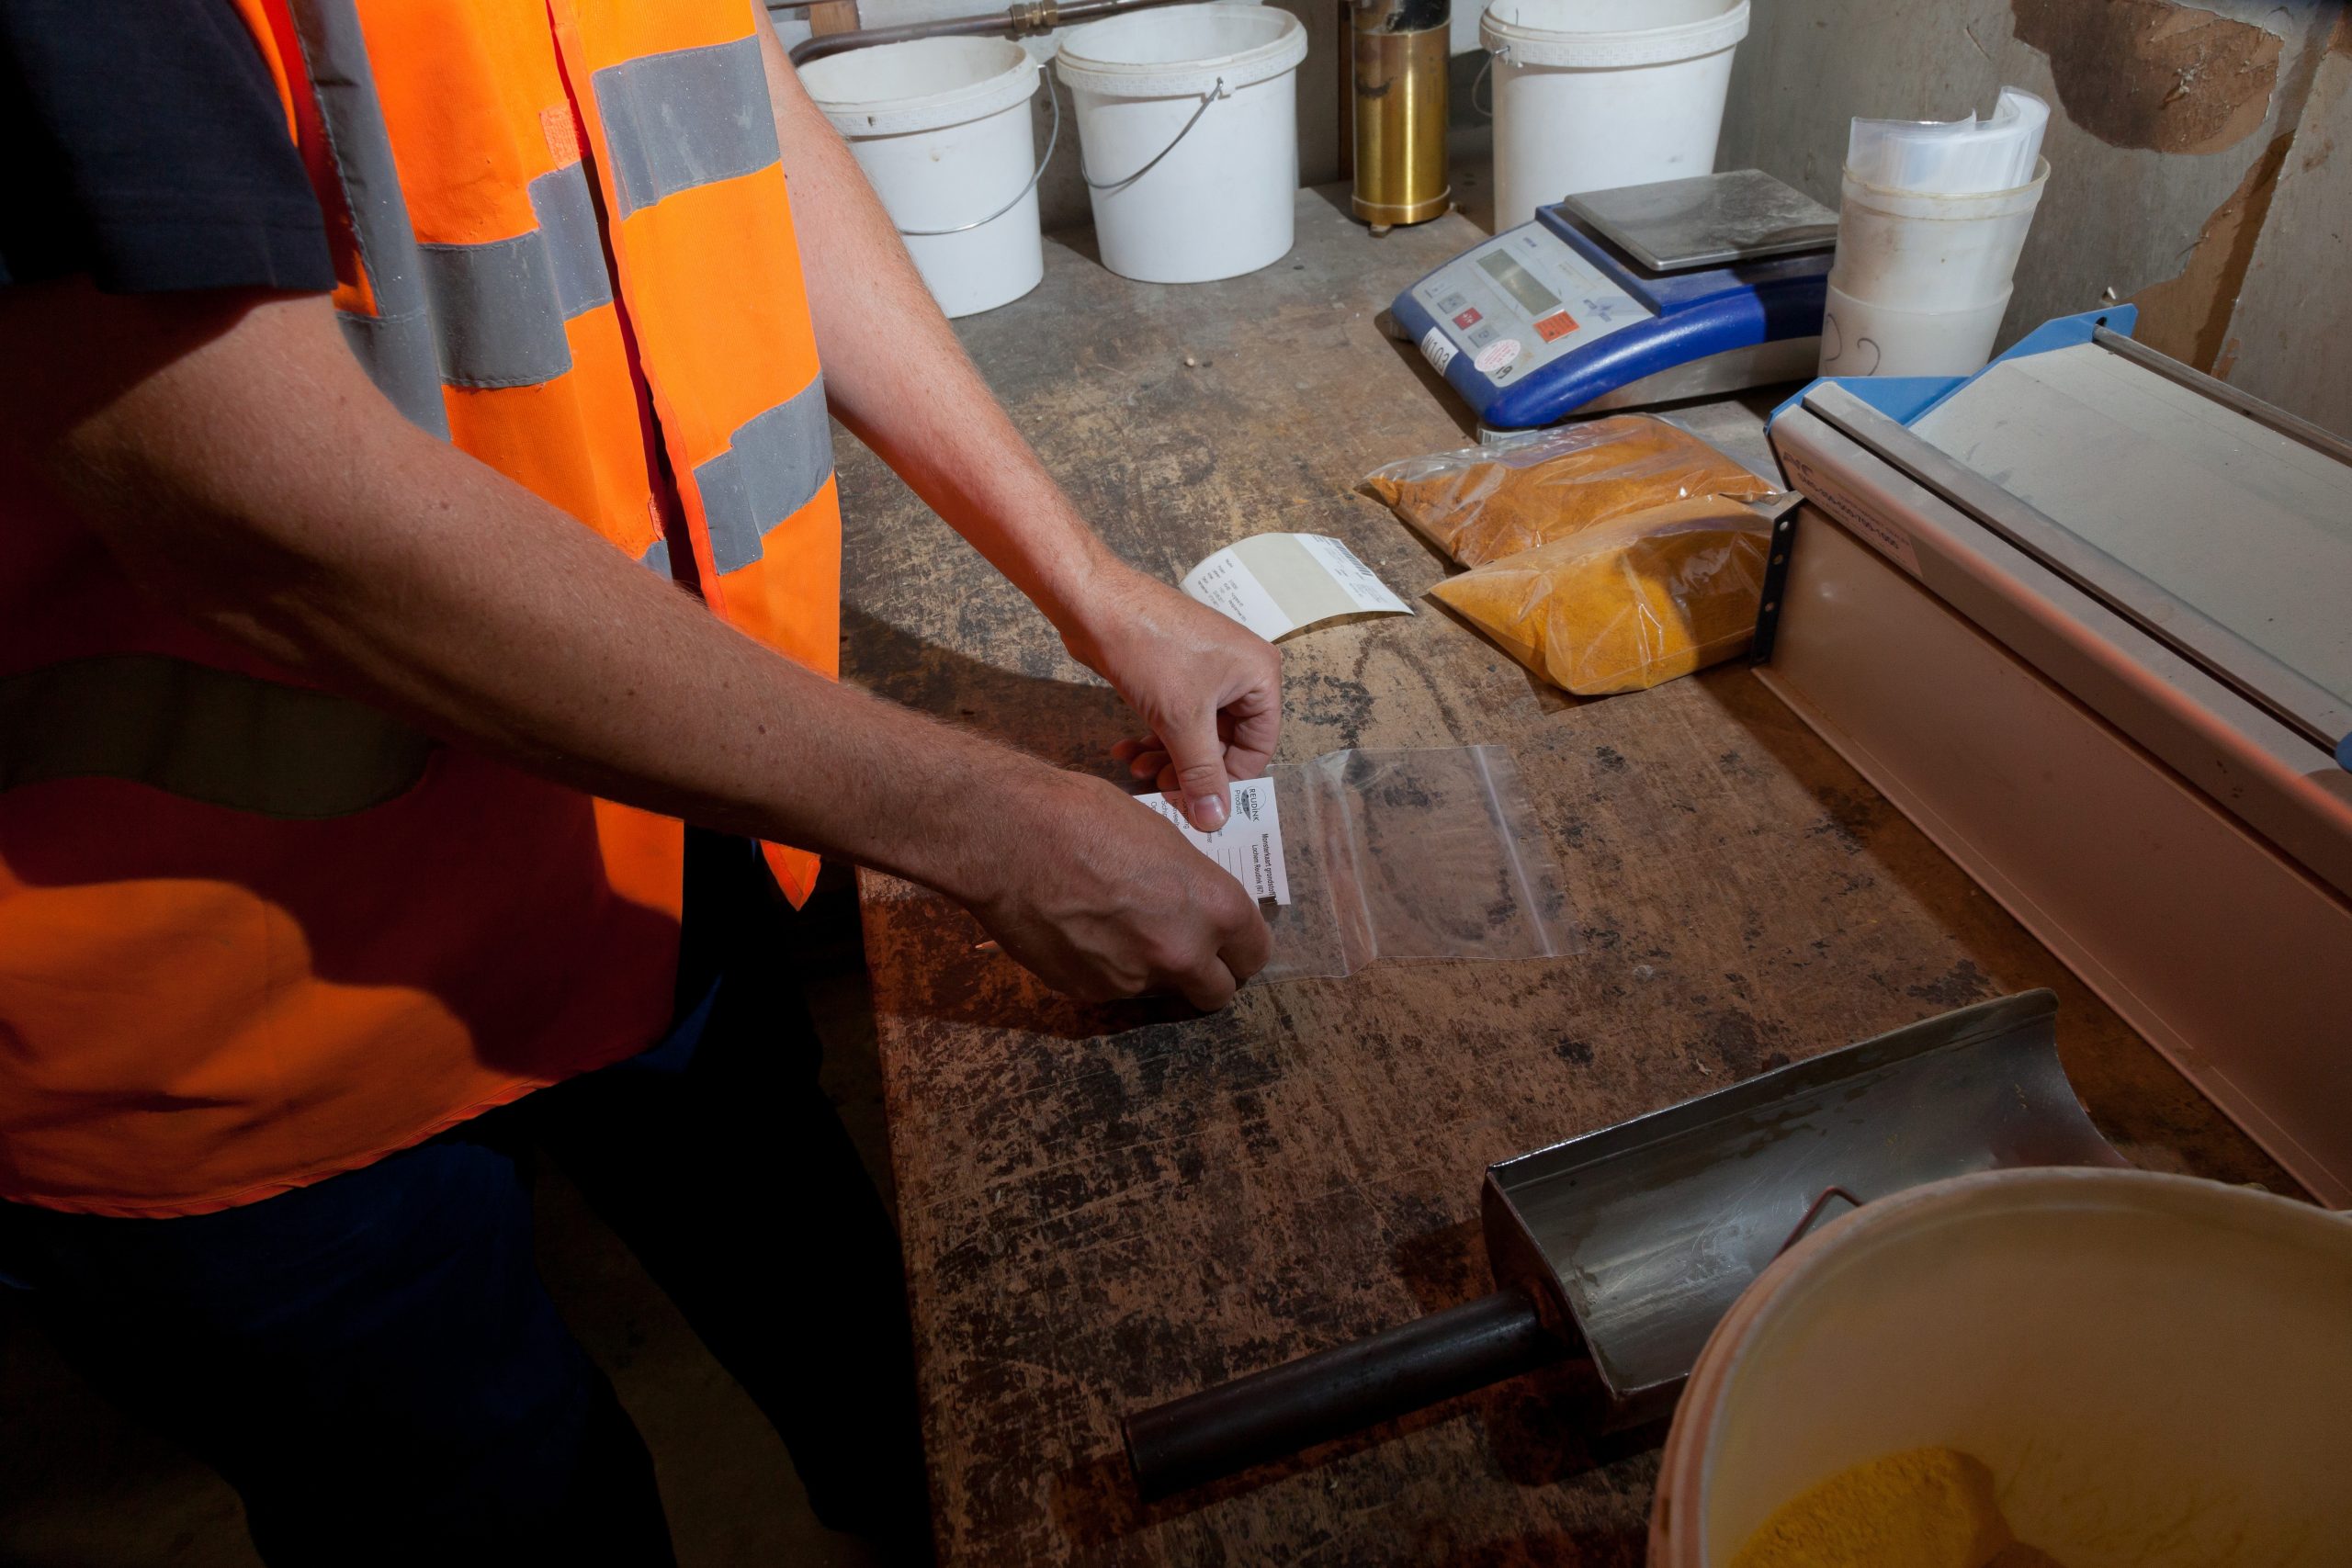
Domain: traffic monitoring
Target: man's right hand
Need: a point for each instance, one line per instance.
(1103, 899)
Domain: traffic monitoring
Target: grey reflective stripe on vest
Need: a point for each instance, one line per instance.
(486, 315)
(673, 121)
(775, 464)
(499, 307)
(396, 343)
(656, 560)
(495, 308)
(567, 215)
(209, 734)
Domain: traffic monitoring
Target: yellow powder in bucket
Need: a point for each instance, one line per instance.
(1625, 605)
(1483, 504)
(1921, 1508)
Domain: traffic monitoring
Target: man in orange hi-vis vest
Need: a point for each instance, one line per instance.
(416, 507)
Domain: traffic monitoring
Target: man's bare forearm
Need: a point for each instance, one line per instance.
(1208, 694)
(912, 393)
(259, 483)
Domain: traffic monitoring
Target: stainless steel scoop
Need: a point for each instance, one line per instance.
(1629, 1244)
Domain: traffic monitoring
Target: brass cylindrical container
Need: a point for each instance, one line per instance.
(1401, 50)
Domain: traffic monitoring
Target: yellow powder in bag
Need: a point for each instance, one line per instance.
(1624, 605)
(1920, 1508)
(1482, 504)
(2018, 1554)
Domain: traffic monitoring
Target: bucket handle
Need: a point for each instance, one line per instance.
(1052, 137)
(1219, 91)
(1498, 53)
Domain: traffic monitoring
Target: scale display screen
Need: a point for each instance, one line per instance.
(1533, 297)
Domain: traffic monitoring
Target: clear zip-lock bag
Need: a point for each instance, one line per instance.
(1412, 857)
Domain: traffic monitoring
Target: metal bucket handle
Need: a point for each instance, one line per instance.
(1219, 91)
(1053, 138)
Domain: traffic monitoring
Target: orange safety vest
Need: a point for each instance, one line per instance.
(253, 934)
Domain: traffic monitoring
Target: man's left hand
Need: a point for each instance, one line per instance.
(1209, 691)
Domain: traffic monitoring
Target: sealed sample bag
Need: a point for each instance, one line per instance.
(1482, 503)
(1624, 605)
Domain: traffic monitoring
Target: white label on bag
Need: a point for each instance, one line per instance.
(1277, 584)
(1249, 845)
(1438, 349)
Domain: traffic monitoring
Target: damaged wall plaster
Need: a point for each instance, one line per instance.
(2151, 74)
(2286, 337)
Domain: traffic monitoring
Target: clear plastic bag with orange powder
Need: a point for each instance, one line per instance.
(1482, 503)
(1624, 605)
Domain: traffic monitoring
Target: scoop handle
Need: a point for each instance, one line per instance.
(1332, 1393)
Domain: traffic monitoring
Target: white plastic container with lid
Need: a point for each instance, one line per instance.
(2156, 1370)
(1590, 94)
(941, 127)
(1188, 125)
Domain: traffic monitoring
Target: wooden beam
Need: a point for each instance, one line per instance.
(833, 16)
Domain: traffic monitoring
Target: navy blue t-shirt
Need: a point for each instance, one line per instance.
(143, 143)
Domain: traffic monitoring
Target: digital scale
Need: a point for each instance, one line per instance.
(1639, 294)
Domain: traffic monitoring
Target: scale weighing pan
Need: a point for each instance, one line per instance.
(1628, 1244)
(1639, 294)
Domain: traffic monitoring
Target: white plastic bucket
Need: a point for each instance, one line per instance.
(1188, 125)
(1920, 252)
(1861, 338)
(1590, 94)
(941, 127)
(2156, 1370)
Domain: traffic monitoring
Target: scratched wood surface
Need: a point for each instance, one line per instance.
(1104, 1207)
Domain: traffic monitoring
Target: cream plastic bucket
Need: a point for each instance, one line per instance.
(1590, 94)
(2157, 1369)
(941, 127)
(1188, 124)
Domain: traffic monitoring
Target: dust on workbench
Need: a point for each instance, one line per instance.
(1104, 1207)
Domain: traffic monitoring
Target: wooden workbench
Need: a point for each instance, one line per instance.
(1104, 1207)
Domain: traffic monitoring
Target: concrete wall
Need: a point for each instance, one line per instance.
(2293, 315)
(2193, 152)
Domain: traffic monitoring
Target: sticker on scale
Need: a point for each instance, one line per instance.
(1438, 349)
(1497, 356)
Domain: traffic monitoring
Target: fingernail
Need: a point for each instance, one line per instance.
(1208, 814)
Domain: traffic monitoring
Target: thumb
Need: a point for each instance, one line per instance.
(1196, 756)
